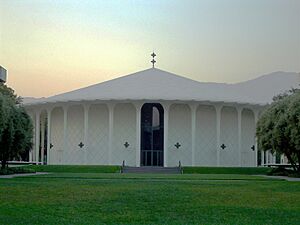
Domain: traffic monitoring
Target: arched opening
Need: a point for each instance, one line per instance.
(43, 139)
(152, 134)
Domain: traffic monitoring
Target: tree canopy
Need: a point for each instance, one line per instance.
(278, 128)
(9, 94)
(15, 126)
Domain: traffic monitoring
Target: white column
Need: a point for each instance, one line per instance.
(255, 145)
(37, 135)
(111, 132)
(48, 134)
(218, 123)
(262, 158)
(166, 107)
(239, 112)
(65, 109)
(271, 158)
(138, 107)
(193, 108)
(30, 155)
(42, 140)
(86, 129)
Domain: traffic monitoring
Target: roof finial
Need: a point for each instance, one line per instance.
(153, 60)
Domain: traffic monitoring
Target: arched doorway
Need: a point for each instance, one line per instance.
(152, 134)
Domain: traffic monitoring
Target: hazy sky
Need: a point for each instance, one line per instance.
(49, 47)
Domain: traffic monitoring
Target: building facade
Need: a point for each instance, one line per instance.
(150, 118)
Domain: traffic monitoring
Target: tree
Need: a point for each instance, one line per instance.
(15, 126)
(278, 128)
(4, 113)
(9, 93)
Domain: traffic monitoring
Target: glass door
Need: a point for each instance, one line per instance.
(152, 134)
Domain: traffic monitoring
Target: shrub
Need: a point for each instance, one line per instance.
(16, 170)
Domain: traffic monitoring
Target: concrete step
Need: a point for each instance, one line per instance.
(150, 169)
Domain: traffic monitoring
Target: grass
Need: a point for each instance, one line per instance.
(13, 170)
(113, 198)
(281, 171)
(116, 169)
(74, 169)
(227, 170)
(151, 177)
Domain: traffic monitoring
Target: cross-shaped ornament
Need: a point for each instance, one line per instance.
(177, 145)
(153, 60)
(126, 144)
(81, 145)
(223, 146)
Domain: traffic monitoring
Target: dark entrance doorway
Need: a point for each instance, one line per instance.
(152, 135)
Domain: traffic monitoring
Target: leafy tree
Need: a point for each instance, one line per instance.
(278, 128)
(4, 113)
(10, 94)
(15, 126)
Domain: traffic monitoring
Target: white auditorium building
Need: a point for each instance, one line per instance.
(154, 118)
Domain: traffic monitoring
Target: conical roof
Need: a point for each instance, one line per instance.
(155, 84)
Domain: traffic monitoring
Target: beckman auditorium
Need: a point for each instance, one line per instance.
(154, 118)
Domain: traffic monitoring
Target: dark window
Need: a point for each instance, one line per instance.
(152, 134)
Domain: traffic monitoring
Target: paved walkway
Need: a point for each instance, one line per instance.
(42, 173)
(22, 175)
(281, 178)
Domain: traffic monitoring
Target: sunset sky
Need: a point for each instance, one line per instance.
(49, 47)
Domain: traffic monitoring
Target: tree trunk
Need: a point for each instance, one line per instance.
(292, 162)
(3, 164)
(298, 165)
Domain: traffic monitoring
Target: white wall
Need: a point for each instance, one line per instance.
(124, 130)
(97, 150)
(57, 136)
(248, 138)
(229, 136)
(179, 131)
(206, 136)
(75, 130)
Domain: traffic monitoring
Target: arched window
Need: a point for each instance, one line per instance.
(155, 117)
(152, 134)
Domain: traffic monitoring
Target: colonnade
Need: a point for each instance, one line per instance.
(40, 125)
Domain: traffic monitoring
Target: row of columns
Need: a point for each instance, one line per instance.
(218, 109)
(39, 137)
(267, 158)
(138, 106)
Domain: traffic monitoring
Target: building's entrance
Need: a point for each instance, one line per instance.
(152, 135)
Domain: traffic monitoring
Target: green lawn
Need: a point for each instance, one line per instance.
(113, 198)
(116, 169)
(74, 169)
(227, 170)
